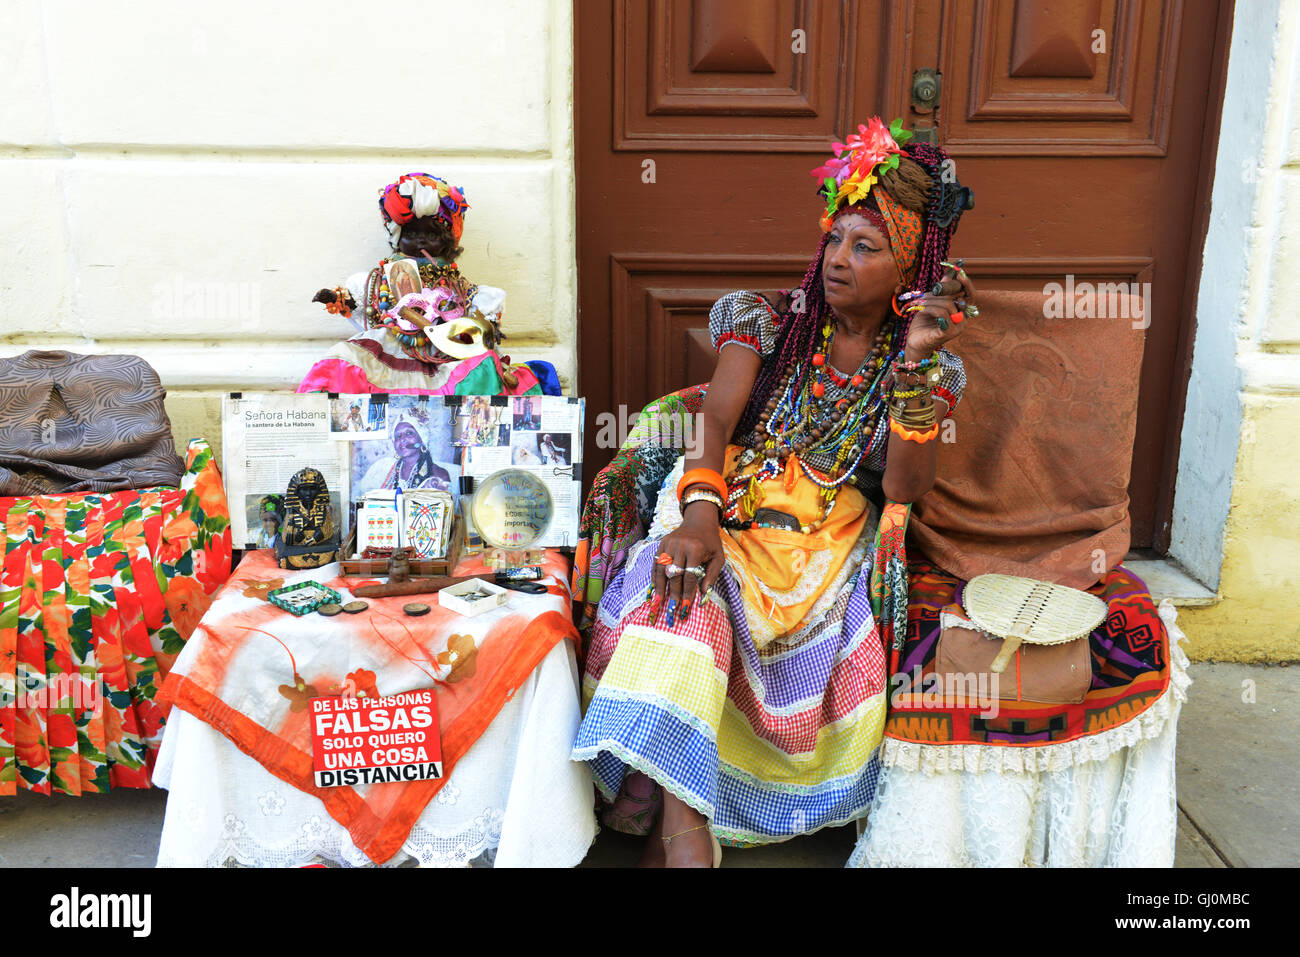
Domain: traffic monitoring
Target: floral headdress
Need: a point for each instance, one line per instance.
(855, 167)
(417, 195)
(848, 177)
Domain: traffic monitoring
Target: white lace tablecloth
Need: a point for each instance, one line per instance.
(515, 798)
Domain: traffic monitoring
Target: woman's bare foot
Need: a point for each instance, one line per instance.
(690, 841)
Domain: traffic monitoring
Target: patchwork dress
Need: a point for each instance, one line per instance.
(763, 710)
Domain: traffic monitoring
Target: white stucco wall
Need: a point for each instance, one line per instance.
(177, 180)
(1237, 509)
(1239, 206)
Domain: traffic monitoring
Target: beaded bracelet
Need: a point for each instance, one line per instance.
(933, 360)
(910, 393)
(702, 477)
(701, 495)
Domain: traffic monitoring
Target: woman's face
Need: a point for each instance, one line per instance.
(406, 442)
(858, 269)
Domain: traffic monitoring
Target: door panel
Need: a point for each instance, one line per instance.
(697, 122)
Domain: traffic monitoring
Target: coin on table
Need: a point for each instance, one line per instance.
(329, 609)
(416, 608)
(353, 607)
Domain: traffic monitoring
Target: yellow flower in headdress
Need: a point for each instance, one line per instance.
(855, 189)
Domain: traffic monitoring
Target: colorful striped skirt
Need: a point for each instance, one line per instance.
(766, 743)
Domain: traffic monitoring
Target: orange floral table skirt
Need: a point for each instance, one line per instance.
(251, 668)
(98, 593)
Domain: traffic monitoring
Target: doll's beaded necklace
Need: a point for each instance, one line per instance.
(800, 417)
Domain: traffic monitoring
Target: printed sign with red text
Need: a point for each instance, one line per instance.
(375, 740)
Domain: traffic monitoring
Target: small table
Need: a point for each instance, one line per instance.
(236, 754)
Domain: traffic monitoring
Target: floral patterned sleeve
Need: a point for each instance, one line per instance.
(952, 381)
(746, 319)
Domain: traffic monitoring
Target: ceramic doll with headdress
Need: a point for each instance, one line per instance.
(425, 329)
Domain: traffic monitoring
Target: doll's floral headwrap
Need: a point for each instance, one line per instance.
(417, 195)
(850, 176)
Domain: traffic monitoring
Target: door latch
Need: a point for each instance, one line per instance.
(927, 85)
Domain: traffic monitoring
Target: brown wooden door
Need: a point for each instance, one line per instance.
(698, 121)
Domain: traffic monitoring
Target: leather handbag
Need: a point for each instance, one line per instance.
(1048, 674)
(1028, 638)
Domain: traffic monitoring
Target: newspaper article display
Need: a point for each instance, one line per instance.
(541, 434)
(406, 442)
(358, 740)
(266, 438)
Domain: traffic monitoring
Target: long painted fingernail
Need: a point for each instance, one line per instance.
(672, 612)
(686, 611)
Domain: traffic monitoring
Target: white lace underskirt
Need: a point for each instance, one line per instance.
(1107, 801)
(514, 799)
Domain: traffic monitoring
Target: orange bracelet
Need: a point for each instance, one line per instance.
(702, 477)
(905, 433)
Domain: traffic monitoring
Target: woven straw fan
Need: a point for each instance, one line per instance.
(1025, 610)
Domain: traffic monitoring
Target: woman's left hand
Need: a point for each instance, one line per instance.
(928, 332)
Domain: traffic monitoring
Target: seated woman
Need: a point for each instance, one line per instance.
(427, 329)
(735, 667)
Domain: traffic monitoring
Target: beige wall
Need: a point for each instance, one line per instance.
(177, 180)
(1240, 457)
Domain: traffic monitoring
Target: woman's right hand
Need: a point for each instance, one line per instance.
(696, 542)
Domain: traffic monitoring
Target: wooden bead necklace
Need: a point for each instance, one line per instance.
(800, 418)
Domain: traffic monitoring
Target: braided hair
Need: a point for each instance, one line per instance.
(924, 182)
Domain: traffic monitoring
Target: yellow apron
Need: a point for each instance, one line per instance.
(782, 573)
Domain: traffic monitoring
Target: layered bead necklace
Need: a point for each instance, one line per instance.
(801, 418)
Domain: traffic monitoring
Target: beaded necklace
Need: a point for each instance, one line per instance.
(801, 418)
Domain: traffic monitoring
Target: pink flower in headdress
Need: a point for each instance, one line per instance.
(872, 144)
(835, 168)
